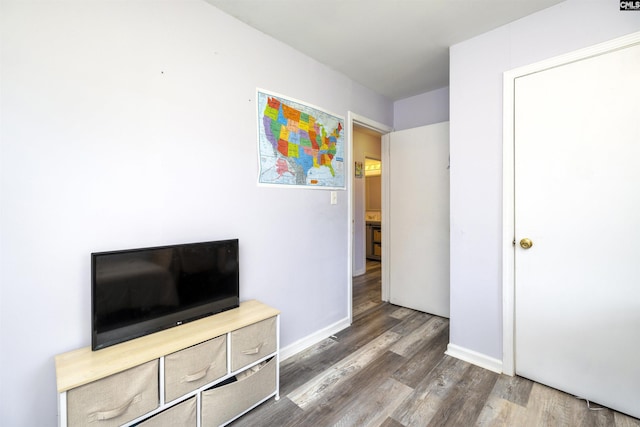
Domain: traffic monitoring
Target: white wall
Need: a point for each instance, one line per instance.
(128, 124)
(476, 150)
(421, 110)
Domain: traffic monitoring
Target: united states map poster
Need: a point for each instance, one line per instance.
(299, 145)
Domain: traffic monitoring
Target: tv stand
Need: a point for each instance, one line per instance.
(203, 373)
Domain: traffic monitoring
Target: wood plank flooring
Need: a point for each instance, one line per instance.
(389, 369)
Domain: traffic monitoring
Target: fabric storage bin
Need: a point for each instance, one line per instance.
(183, 415)
(193, 367)
(116, 399)
(221, 404)
(252, 343)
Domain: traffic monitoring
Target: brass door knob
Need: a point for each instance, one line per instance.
(526, 243)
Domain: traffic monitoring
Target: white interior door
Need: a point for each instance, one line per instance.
(418, 220)
(577, 197)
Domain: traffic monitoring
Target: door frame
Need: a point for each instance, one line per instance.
(508, 181)
(353, 118)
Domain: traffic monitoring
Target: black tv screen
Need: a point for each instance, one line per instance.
(136, 292)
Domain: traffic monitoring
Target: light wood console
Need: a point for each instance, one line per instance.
(204, 373)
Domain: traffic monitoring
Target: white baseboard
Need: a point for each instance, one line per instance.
(475, 358)
(316, 337)
(359, 272)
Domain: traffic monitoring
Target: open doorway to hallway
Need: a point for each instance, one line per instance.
(373, 207)
(367, 139)
(367, 208)
(367, 220)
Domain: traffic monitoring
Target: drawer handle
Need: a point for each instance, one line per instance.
(115, 412)
(197, 375)
(255, 350)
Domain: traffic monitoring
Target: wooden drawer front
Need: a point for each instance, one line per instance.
(116, 399)
(221, 404)
(183, 415)
(252, 343)
(377, 249)
(193, 367)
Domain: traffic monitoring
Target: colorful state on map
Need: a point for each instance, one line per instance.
(304, 151)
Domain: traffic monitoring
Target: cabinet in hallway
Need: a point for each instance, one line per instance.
(374, 240)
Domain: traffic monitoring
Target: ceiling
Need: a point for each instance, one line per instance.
(398, 48)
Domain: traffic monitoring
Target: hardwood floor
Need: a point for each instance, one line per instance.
(389, 369)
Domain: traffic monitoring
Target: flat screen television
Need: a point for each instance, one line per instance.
(136, 292)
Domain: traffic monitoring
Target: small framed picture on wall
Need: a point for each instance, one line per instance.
(358, 170)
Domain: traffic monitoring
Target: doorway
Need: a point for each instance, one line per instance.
(367, 235)
(373, 205)
(576, 220)
(371, 132)
(425, 153)
(367, 192)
